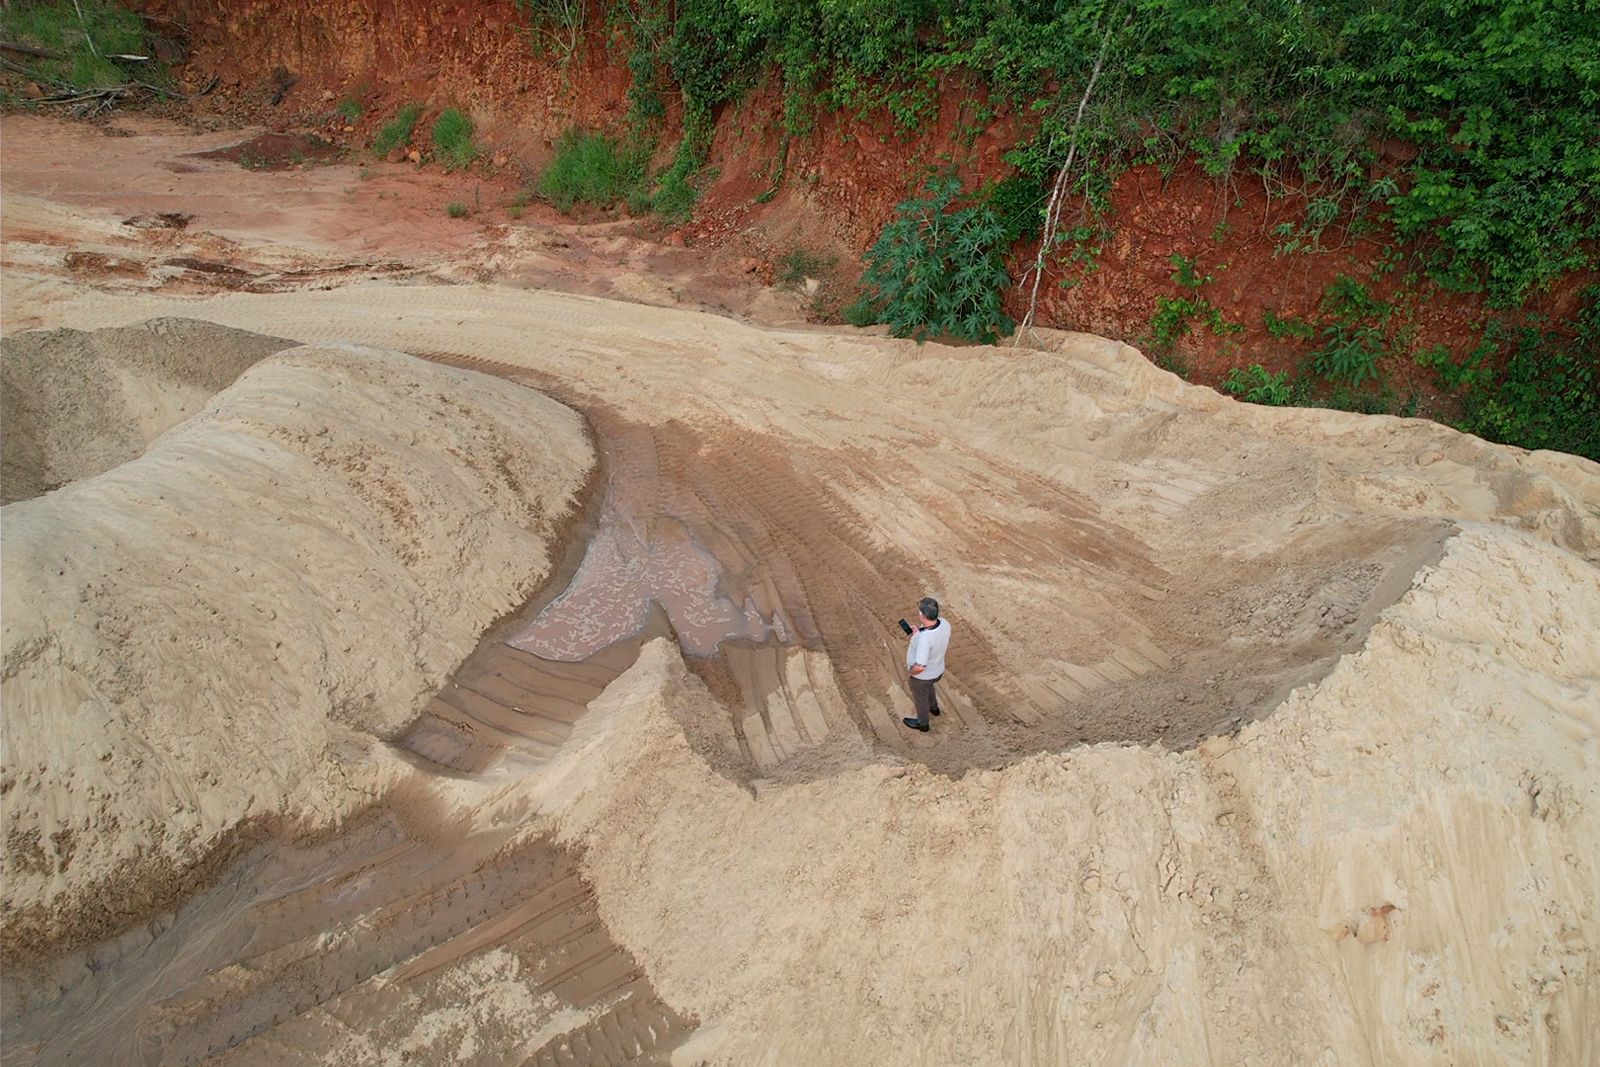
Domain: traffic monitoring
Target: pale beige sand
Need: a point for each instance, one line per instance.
(1394, 864)
(75, 404)
(1398, 866)
(191, 639)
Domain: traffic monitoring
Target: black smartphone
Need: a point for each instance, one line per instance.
(906, 626)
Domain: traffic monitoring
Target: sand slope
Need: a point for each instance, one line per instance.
(189, 638)
(1384, 853)
(1397, 867)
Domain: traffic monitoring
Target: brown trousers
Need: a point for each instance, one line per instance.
(924, 697)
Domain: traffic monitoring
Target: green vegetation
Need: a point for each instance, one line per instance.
(87, 42)
(1496, 99)
(1545, 395)
(1461, 136)
(798, 264)
(590, 168)
(396, 133)
(556, 25)
(1286, 327)
(452, 139)
(938, 269)
(350, 109)
(1174, 317)
(1520, 385)
(1258, 386)
(456, 209)
(1354, 338)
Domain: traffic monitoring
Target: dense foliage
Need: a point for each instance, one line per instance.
(1494, 101)
(1463, 133)
(1529, 387)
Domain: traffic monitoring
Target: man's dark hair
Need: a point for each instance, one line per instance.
(929, 608)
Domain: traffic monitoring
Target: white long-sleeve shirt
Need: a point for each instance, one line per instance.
(928, 647)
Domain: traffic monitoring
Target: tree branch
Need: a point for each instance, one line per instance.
(1052, 215)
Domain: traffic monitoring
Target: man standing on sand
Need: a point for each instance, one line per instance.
(925, 661)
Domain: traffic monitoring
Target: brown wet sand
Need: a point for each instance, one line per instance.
(300, 941)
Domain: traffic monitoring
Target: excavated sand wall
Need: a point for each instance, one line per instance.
(214, 635)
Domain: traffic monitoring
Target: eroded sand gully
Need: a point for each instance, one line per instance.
(754, 561)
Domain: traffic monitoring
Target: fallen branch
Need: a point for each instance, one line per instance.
(30, 50)
(87, 36)
(1052, 215)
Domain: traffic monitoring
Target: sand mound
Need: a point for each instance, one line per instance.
(189, 645)
(74, 404)
(1269, 735)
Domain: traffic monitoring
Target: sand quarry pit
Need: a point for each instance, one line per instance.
(473, 674)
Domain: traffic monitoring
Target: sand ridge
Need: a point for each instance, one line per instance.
(1395, 867)
(186, 645)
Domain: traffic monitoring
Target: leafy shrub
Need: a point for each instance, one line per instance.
(1350, 353)
(1354, 340)
(938, 269)
(1174, 316)
(1186, 272)
(397, 131)
(591, 168)
(1020, 202)
(86, 41)
(1284, 327)
(452, 139)
(1347, 298)
(350, 109)
(1257, 385)
(456, 209)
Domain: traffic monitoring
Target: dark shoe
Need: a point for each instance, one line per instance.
(933, 711)
(915, 725)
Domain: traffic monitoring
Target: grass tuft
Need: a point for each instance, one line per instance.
(590, 168)
(397, 131)
(84, 41)
(452, 139)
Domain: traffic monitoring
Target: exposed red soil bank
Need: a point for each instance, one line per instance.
(840, 182)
